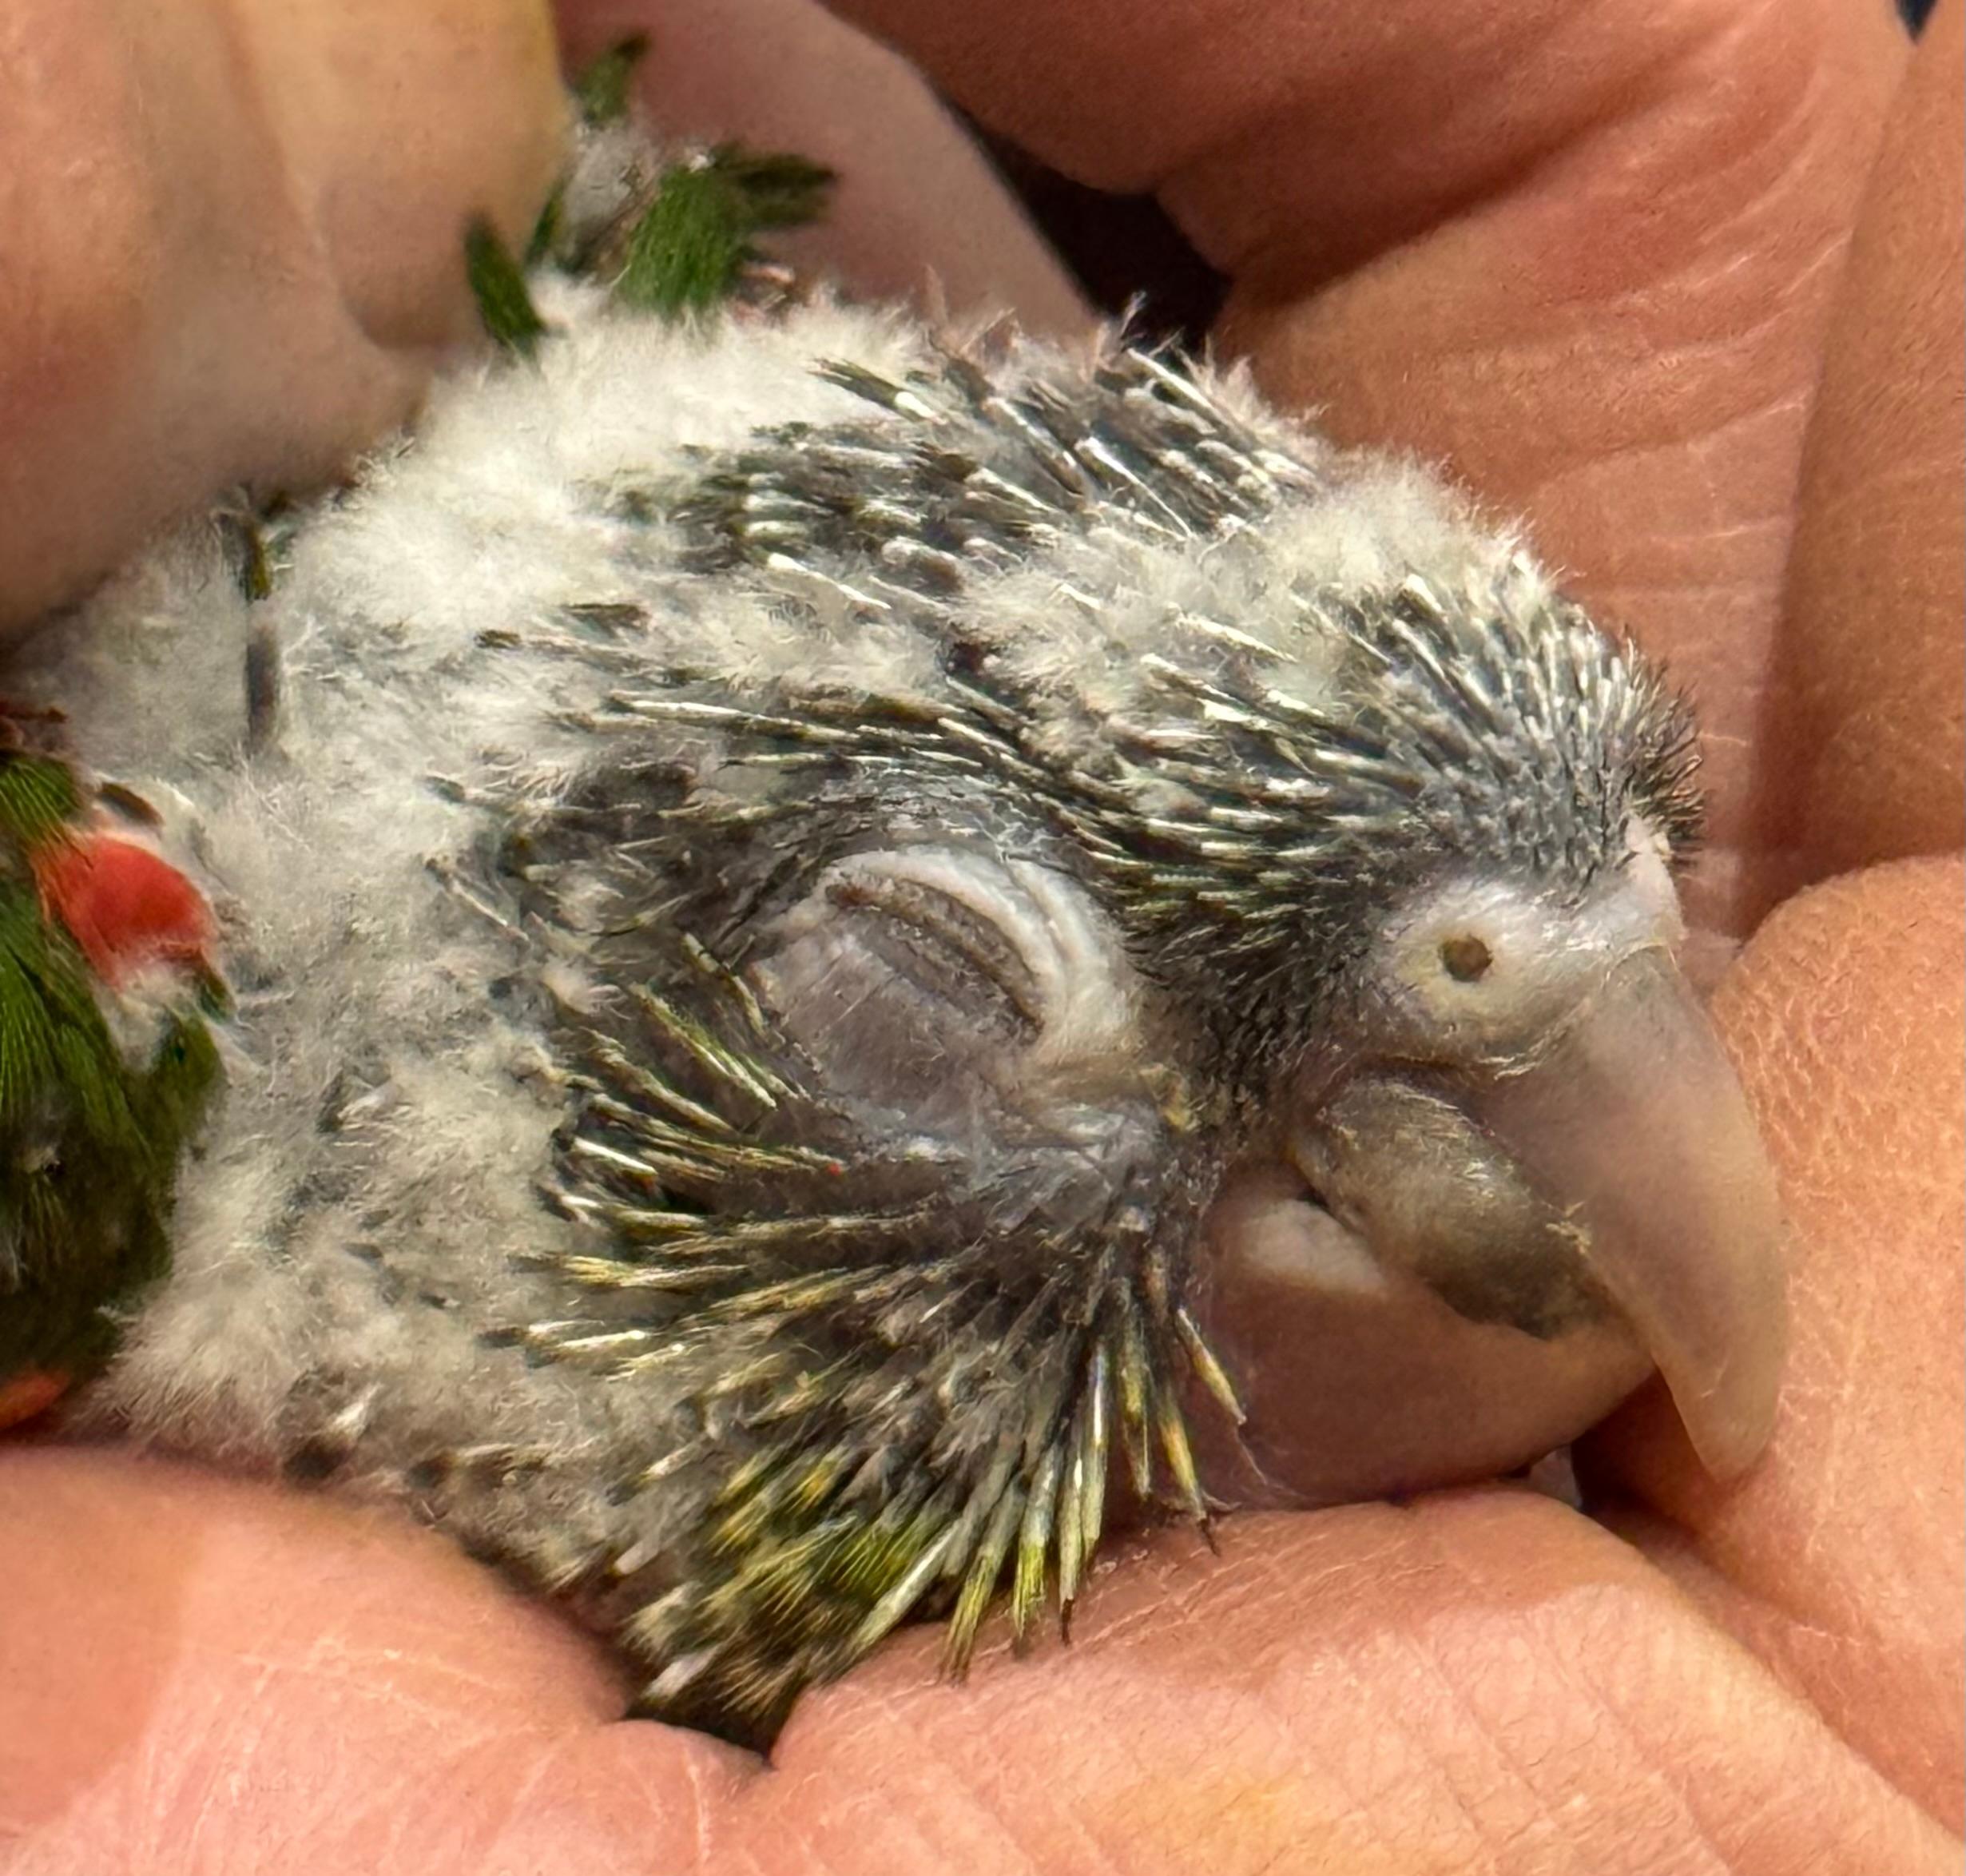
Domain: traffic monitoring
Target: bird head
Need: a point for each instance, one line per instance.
(1394, 827)
(1496, 1165)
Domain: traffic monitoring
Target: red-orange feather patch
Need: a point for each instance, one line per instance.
(122, 904)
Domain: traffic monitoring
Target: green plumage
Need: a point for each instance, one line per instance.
(38, 801)
(499, 285)
(689, 251)
(601, 92)
(684, 243)
(91, 1126)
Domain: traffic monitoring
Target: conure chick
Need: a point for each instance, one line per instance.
(834, 931)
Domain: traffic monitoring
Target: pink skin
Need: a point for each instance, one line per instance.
(1591, 257)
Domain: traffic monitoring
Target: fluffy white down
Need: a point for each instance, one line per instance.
(332, 1277)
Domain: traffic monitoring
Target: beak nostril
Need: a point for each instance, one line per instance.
(1315, 1198)
(1466, 958)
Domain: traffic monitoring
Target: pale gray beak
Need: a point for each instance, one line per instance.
(1632, 1123)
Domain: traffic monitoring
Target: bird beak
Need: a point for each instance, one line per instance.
(1630, 1123)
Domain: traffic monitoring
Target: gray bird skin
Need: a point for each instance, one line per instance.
(835, 929)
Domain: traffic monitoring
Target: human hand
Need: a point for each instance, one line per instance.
(1620, 338)
(230, 246)
(229, 232)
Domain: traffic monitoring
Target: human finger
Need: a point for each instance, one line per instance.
(1839, 1559)
(1869, 736)
(199, 1673)
(204, 1673)
(232, 241)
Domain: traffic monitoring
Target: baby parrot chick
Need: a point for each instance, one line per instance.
(837, 931)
